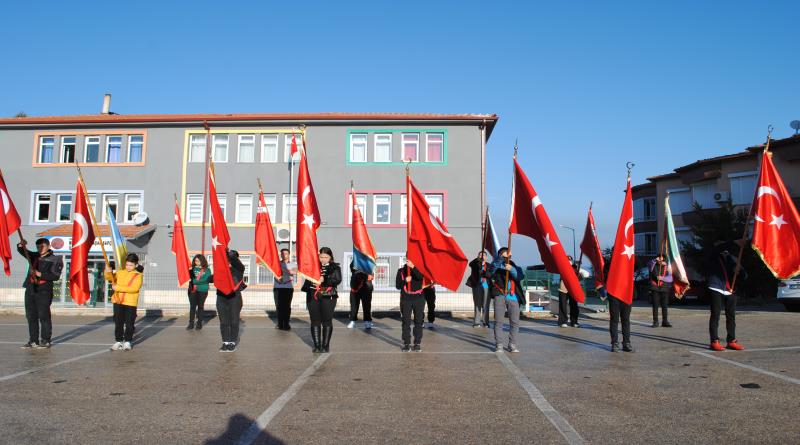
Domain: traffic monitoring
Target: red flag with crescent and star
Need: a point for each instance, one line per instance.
(9, 223)
(179, 249)
(776, 231)
(82, 240)
(529, 218)
(266, 249)
(308, 221)
(590, 246)
(223, 280)
(619, 282)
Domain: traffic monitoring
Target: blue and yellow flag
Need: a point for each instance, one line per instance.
(117, 240)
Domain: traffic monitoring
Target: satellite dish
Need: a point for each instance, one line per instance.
(140, 219)
(795, 125)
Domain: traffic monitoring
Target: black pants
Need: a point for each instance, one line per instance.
(620, 310)
(430, 299)
(659, 296)
(37, 311)
(717, 300)
(124, 319)
(415, 304)
(320, 310)
(565, 299)
(283, 305)
(479, 296)
(197, 300)
(362, 296)
(229, 309)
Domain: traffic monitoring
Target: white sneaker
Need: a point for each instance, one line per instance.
(116, 346)
(127, 346)
(351, 325)
(564, 325)
(367, 325)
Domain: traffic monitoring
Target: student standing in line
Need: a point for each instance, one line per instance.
(44, 268)
(564, 297)
(229, 306)
(508, 297)
(660, 284)
(360, 292)
(479, 282)
(283, 291)
(722, 266)
(409, 281)
(321, 300)
(198, 291)
(429, 290)
(126, 284)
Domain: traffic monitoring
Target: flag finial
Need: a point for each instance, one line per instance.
(629, 165)
(769, 134)
(516, 147)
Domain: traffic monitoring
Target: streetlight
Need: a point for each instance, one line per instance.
(573, 240)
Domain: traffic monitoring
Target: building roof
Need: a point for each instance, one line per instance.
(128, 231)
(490, 119)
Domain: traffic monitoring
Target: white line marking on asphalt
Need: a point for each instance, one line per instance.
(266, 417)
(779, 348)
(52, 365)
(411, 353)
(561, 424)
(59, 343)
(751, 368)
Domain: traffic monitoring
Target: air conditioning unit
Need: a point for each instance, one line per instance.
(284, 235)
(722, 196)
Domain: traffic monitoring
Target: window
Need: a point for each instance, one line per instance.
(287, 147)
(223, 205)
(93, 202)
(383, 276)
(41, 207)
(247, 148)
(410, 147)
(743, 187)
(383, 147)
(114, 149)
(645, 243)
(703, 194)
(289, 212)
(644, 209)
(197, 148)
(220, 143)
(436, 203)
(64, 208)
(269, 148)
(244, 209)
(358, 147)
(434, 147)
(361, 202)
(194, 208)
(135, 147)
(92, 149)
(271, 202)
(245, 259)
(382, 209)
(403, 209)
(110, 202)
(680, 200)
(68, 149)
(133, 205)
(46, 146)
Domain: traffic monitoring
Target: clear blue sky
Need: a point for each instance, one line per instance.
(585, 86)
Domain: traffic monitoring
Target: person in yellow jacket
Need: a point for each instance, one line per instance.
(126, 284)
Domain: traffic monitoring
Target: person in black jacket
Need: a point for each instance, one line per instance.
(321, 300)
(479, 282)
(409, 282)
(721, 268)
(360, 292)
(509, 296)
(229, 306)
(44, 269)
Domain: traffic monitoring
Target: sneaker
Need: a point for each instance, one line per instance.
(627, 347)
(733, 344)
(223, 348)
(715, 346)
(29, 345)
(351, 325)
(614, 347)
(563, 325)
(654, 325)
(498, 348)
(231, 347)
(429, 325)
(512, 348)
(575, 325)
(116, 346)
(127, 346)
(666, 324)
(417, 348)
(406, 348)
(44, 344)
(367, 325)
(198, 325)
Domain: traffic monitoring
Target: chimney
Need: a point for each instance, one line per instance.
(106, 104)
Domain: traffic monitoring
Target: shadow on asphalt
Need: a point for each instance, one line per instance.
(238, 424)
(661, 338)
(566, 338)
(88, 327)
(149, 327)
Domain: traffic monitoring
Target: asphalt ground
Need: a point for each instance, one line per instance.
(564, 387)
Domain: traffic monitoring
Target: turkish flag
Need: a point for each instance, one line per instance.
(620, 276)
(590, 247)
(82, 240)
(266, 249)
(776, 231)
(223, 280)
(182, 263)
(9, 223)
(308, 221)
(529, 218)
(432, 249)
(293, 150)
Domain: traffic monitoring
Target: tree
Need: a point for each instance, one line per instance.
(21, 114)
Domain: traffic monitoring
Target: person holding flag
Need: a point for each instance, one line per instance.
(283, 291)
(478, 281)
(722, 265)
(44, 268)
(509, 296)
(660, 284)
(362, 267)
(321, 300)
(126, 284)
(620, 275)
(568, 309)
(409, 281)
(199, 281)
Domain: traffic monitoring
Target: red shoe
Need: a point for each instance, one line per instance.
(733, 344)
(715, 346)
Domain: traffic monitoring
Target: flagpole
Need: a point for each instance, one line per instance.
(94, 219)
(747, 221)
(205, 188)
(580, 258)
(483, 232)
(513, 186)
(408, 213)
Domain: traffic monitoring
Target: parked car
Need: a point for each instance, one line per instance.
(789, 294)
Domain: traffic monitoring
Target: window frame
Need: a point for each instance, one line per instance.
(264, 138)
(227, 143)
(353, 136)
(52, 146)
(37, 201)
(60, 200)
(64, 144)
(108, 148)
(363, 209)
(427, 147)
(403, 147)
(129, 198)
(273, 212)
(193, 198)
(287, 146)
(240, 199)
(87, 141)
(375, 144)
(109, 199)
(440, 214)
(131, 144)
(376, 198)
(239, 148)
(286, 208)
(192, 144)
